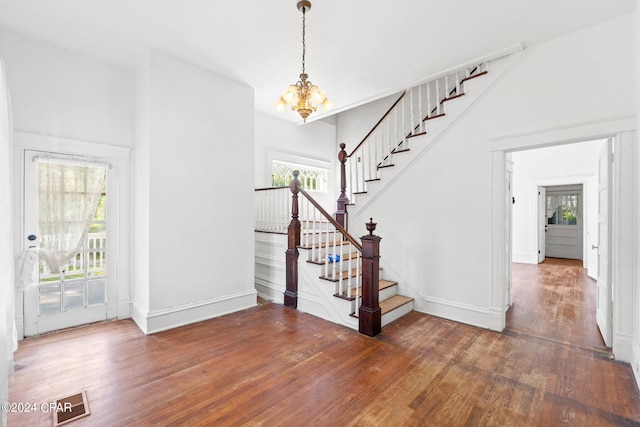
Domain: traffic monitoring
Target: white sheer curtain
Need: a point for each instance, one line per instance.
(8, 341)
(68, 198)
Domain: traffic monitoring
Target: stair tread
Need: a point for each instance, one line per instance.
(433, 117)
(473, 76)
(345, 274)
(382, 284)
(394, 302)
(324, 245)
(449, 98)
(416, 134)
(344, 257)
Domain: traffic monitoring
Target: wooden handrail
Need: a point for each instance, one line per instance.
(379, 121)
(333, 222)
(270, 188)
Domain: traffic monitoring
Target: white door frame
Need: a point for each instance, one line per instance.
(541, 223)
(622, 129)
(118, 234)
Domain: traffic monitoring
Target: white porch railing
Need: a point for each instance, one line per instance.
(405, 119)
(92, 258)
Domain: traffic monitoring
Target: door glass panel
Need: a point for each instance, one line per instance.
(73, 295)
(97, 292)
(49, 299)
(562, 208)
(90, 262)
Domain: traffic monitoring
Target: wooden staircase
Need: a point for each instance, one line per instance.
(340, 279)
(316, 248)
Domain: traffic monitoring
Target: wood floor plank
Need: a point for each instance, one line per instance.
(270, 365)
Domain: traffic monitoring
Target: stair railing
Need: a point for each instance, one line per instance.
(406, 118)
(330, 245)
(272, 209)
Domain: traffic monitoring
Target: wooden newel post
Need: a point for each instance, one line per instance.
(343, 200)
(293, 241)
(370, 315)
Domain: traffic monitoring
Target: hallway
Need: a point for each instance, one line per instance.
(555, 301)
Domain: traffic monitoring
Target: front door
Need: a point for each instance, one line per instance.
(564, 234)
(77, 292)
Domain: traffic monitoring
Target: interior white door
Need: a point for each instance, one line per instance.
(77, 295)
(604, 310)
(592, 227)
(542, 223)
(508, 232)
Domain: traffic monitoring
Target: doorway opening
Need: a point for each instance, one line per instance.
(66, 224)
(553, 297)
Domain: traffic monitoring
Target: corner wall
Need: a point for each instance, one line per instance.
(199, 189)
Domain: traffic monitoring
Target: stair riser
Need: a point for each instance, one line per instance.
(388, 292)
(397, 313)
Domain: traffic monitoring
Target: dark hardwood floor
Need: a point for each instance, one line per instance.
(555, 300)
(271, 365)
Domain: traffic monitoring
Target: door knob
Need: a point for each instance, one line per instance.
(594, 246)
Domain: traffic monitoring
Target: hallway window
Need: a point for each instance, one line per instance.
(311, 178)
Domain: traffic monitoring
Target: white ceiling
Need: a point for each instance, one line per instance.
(356, 49)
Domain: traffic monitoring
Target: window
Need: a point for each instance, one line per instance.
(311, 178)
(562, 208)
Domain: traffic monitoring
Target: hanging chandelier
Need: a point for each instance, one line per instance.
(304, 96)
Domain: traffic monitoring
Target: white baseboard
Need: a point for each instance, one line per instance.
(139, 317)
(124, 309)
(635, 364)
(20, 327)
(464, 313)
(173, 317)
(623, 347)
(268, 289)
(525, 258)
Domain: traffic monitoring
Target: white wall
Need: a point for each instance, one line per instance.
(58, 93)
(353, 125)
(200, 195)
(565, 164)
(440, 248)
(636, 256)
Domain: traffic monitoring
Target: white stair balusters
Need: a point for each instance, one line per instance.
(389, 135)
(273, 210)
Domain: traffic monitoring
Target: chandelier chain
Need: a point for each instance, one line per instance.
(304, 45)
